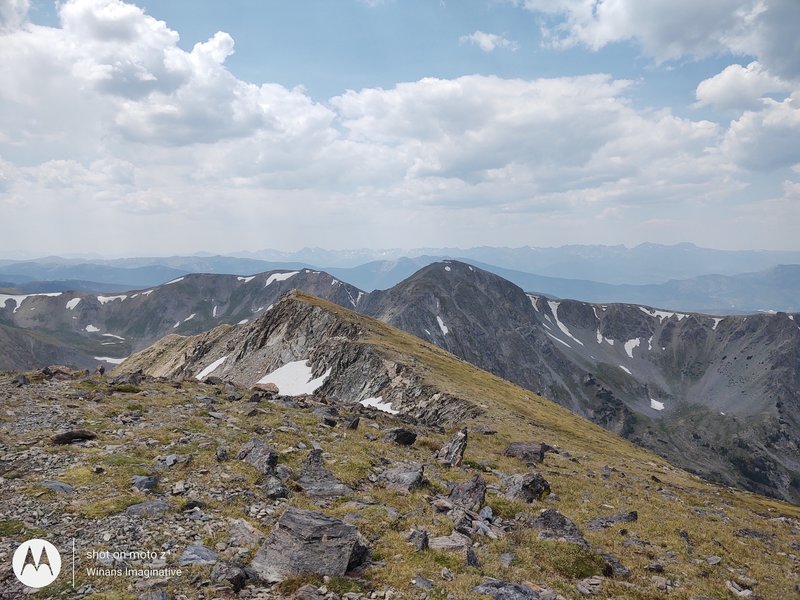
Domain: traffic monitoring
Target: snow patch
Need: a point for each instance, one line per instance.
(178, 324)
(20, 298)
(662, 314)
(650, 343)
(148, 292)
(656, 405)
(92, 328)
(214, 312)
(71, 304)
(630, 345)
(246, 279)
(280, 277)
(210, 369)
(447, 269)
(360, 295)
(599, 337)
(108, 359)
(554, 307)
(533, 300)
(190, 317)
(379, 404)
(114, 336)
(295, 378)
(717, 320)
(442, 326)
(558, 340)
(243, 321)
(173, 281)
(626, 369)
(104, 299)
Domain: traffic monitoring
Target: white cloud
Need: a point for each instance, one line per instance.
(739, 88)
(488, 42)
(766, 139)
(766, 29)
(109, 128)
(12, 14)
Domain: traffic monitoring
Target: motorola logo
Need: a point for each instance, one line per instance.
(36, 563)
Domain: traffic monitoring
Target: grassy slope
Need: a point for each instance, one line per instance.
(677, 501)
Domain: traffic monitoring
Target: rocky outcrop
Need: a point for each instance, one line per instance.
(452, 453)
(318, 482)
(306, 542)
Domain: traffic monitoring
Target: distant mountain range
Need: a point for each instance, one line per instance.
(712, 281)
(717, 395)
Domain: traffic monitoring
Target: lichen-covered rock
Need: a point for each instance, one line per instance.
(258, 454)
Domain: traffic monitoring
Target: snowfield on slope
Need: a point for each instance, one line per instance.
(295, 378)
(379, 404)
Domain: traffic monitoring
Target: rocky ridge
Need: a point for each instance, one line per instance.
(520, 499)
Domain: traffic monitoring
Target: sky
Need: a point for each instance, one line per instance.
(174, 127)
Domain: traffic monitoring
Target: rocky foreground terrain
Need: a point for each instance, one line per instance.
(458, 485)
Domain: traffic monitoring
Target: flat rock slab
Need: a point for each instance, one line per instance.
(71, 437)
(503, 590)
(454, 541)
(197, 554)
(404, 477)
(151, 508)
(305, 542)
(606, 522)
(58, 487)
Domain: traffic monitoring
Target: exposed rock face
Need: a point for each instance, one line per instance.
(718, 396)
(307, 542)
(189, 305)
(452, 453)
(335, 346)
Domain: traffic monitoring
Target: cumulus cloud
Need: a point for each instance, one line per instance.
(107, 115)
(766, 139)
(12, 14)
(739, 88)
(766, 29)
(488, 42)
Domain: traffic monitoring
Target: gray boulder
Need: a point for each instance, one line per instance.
(151, 508)
(606, 522)
(469, 494)
(197, 554)
(527, 487)
(305, 542)
(400, 436)
(503, 590)
(552, 525)
(144, 483)
(258, 454)
(404, 477)
(317, 481)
